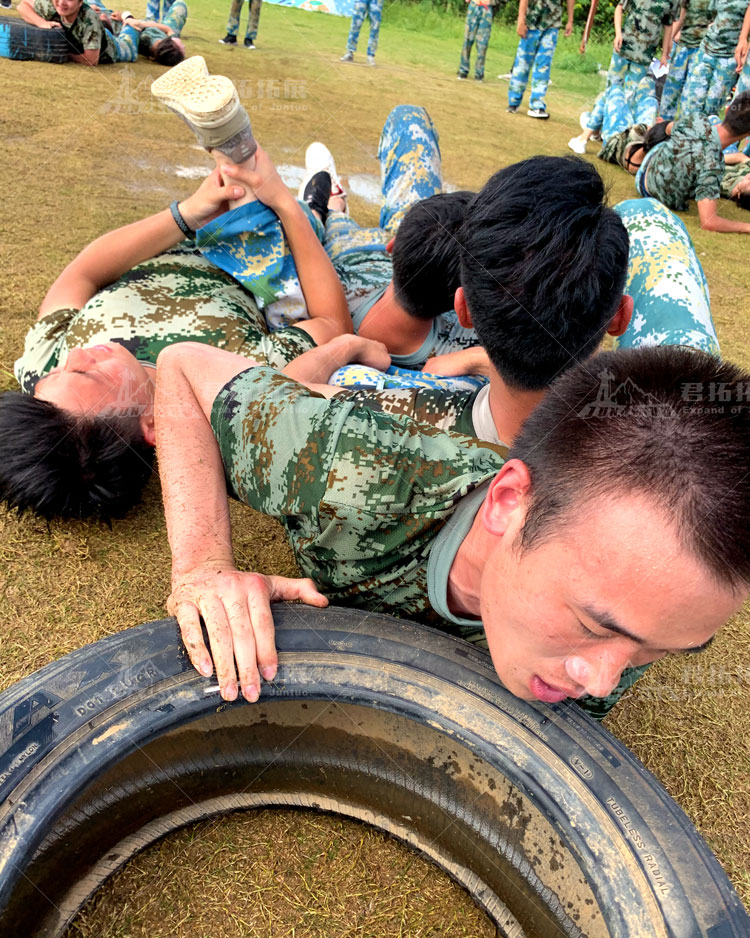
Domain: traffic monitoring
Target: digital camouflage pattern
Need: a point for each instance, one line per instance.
(698, 15)
(733, 175)
(688, 165)
(544, 14)
(362, 376)
(671, 302)
(477, 29)
(445, 410)
(723, 34)
(362, 8)
(122, 46)
(679, 66)
(177, 296)
(534, 54)
(174, 17)
(709, 81)
(621, 72)
(643, 28)
(84, 33)
(253, 18)
(626, 120)
(364, 495)
(619, 144)
(153, 11)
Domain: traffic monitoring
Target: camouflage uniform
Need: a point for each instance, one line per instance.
(478, 28)
(733, 175)
(626, 122)
(697, 18)
(534, 53)
(362, 8)
(152, 10)
(174, 17)
(253, 18)
(177, 296)
(688, 165)
(122, 46)
(642, 32)
(713, 70)
(83, 34)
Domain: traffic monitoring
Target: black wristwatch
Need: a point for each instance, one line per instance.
(174, 208)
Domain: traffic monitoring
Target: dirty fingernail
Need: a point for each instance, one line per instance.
(205, 667)
(229, 691)
(251, 692)
(269, 672)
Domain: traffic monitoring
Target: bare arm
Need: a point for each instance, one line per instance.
(618, 27)
(666, 44)
(27, 13)
(677, 25)
(571, 10)
(89, 57)
(321, 287)
(521, 22)
(740, 53)
(205, 582)
(712, 221)
(316, 366)
(733, 159)
(109, 257)
(469, 361)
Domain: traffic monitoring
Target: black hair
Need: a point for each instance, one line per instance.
(60, 465)
(426, 263)
(168, 52)
(737, 115)
(743, 200)
(543, 265)
(647, 421)
(655, 135)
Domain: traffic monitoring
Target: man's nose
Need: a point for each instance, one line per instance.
(598, 673)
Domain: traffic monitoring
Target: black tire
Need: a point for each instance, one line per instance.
(20, 40)
(552, 825)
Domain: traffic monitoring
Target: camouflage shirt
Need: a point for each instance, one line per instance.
(732, 175)
(364, 496)
(643, 28)
(613, 151)
(695, 24)
(723, 34)
(84, 33)
(688, 165)
(147, 39)
(177, 296)
(544, 14)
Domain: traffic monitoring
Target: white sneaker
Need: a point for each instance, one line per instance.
(577, 145)
(347, 57)
(370, 59)
(504, 77)
(538, 112)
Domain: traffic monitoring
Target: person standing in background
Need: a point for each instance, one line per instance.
(478, 28)
(374, 9)
(233, 23)
(539, 22)
(687, 35)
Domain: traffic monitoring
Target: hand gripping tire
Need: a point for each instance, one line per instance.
(550, 824)
(20, 40)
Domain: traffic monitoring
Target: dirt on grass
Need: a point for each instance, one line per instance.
(86, 150)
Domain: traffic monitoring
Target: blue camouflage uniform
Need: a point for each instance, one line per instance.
(362, 8)
(694, 26)
(642, 31)
(534, 53)
(253, 18)
(174, 17)
(478, 28)
(713, 70)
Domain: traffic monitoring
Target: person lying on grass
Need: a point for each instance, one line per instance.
(612, 533)
(83, 31)
(689, 164)
(130, 37)
(77, 441)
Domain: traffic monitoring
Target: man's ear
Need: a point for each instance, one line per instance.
(621, 319)
(462, 310)
(389, 246)
(507, 496)
(147, 429)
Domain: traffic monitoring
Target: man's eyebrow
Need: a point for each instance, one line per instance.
(608, 622)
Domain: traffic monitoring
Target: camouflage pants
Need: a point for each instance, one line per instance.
(621, 72)
(123, 47)
(249, 242)
(175, 16)
(478, 28)
(708, 83)
(152, 10)
(666, 280)
(679, 65)
(253, 18)
(619, 113)
(534, 54)
(373, 9)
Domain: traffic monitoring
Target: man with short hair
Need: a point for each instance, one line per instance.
(83, 30)
(612, 533)
(538, 25)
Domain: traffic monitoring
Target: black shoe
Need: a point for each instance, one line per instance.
(512, 109)
(228, 40)
(317, 193)
(6, 3)
(249, 44)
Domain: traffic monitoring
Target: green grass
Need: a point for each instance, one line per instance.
(86, 151)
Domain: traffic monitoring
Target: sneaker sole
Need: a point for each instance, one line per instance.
(208, 103)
